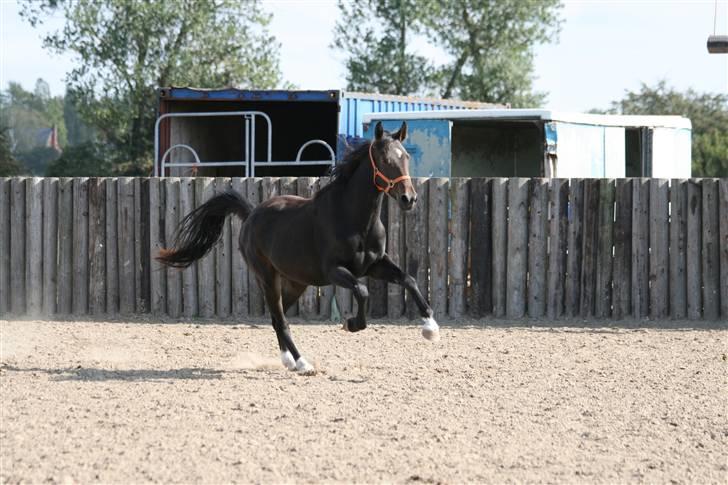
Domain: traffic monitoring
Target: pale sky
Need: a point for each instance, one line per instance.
(605, 47)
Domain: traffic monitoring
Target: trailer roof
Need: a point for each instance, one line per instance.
(538, 115)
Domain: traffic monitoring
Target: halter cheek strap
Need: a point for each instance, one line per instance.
(390, 183)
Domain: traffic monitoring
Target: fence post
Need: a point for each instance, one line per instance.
(659, 249)
(640, 247)
(500, 244)
(34, 245)
(605, 263)
(437, 240)
(678, 248)
(480, 299)
(710, 251)
(517, 262)
(5, 278)
(97, 246)
(458, 255)
(558, 207)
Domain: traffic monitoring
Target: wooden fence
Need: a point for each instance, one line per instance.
(478, 247)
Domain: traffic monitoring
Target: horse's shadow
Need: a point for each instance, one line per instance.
(94, 374)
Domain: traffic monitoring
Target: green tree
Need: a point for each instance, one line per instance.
(489, 44)
(85, 160)
(376, 36)
(129, 48)
(9, 166)
(708, 114)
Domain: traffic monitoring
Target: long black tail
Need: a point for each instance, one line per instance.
(200, 229)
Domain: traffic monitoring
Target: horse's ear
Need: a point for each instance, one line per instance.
(402, 133)
(378, 131)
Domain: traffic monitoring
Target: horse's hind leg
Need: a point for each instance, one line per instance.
(271, 283)
(341, 276)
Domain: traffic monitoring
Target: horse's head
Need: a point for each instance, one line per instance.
(390, 165)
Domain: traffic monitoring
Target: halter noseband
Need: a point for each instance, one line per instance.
(377, 173)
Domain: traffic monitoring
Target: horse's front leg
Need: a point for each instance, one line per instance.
(386, 270)
(341, 276)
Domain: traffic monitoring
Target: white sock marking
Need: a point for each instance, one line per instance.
(304, 368)
(430, 329)
(288, 361)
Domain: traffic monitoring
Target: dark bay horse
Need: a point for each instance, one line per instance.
(335, 237)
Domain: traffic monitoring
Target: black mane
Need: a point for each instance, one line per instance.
(341, 172)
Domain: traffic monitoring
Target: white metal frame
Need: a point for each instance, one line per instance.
(249, 163)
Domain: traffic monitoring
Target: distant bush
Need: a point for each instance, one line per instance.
(37, 160)
(85, 160)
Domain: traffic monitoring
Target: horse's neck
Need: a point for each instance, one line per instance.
(363, 200)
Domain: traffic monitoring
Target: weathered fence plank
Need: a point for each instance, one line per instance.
(537, 246)
(5, 245)
(171, 220)
(34, 245)
(96, 245)
(239, 282)
(480, 294)
(437, 240)
(50, 245)
(678, 248)
(589, 248)
(204, 190)
(142, 250)
(605, 263)
(190, 306)
(80, 246)
(500, 244)
(723, 235)
(125, 220)
(558, 224)
(112, 252)
(710, 252)
(65, 247)
(308, 302)
(457, 264)
(659, 248)
(574, 247)
(517, 265)
(640, 247)
(158, 273)
(417, 262)
(694, 260)
(17, 245)
(395, 250)
(223, 258)
(622, 271)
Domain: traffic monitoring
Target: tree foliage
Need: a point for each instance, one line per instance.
(9, 166)
(707, 112)
(126, 49)
(377, 37)
(85, 160)
(489, 45)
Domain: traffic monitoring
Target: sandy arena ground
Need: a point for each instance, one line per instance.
(141, 402)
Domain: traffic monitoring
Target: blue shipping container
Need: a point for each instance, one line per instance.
(334, 117)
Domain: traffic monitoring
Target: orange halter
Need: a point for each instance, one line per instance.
(390, 183)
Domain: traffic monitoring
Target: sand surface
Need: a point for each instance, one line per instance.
(139, 402)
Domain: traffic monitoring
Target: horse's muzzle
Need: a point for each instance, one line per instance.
(407, 202)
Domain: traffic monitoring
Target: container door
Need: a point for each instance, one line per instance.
(428, 143)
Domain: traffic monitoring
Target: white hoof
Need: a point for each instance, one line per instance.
(288, 361)
(430, 329)
(304, 368)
